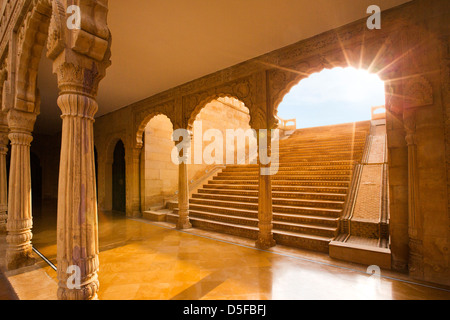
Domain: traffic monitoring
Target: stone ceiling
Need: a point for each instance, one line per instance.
(158, 44)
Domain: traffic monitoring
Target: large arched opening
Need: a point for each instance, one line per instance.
(334, 157)
(159, 175)
(333, 96)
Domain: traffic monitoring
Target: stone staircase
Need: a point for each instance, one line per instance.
(309, 191)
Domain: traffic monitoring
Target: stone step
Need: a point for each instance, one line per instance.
(322, 155)
(299, 163)
(282, 161)
(248, 168)
(287, 172)
(308, 144)
(237, 200)
(302, 146)
(305, 241)
(335, 156)
(156, 215)
(277, 194)
(300, 183)
(307, 219)
(306, 229)
(286, 178)
(171, 205)
(246, 210)
(280, 188)
(253, 222)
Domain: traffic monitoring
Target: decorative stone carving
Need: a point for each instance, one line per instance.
(56, 40)
(418, 92)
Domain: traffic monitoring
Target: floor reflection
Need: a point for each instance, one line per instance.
(141, 260)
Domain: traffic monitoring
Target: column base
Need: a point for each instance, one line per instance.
(265, 244)
(89, 292)
(186, 224)
(19, 259)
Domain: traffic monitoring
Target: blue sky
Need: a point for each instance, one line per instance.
(332, 97)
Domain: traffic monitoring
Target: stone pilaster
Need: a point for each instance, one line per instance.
(20, 220)
(77, 230)
(414, 225)
(265, 212)
(133, 206)
(3, 178)
(183, 186)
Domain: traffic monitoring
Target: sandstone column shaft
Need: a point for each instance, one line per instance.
(183, 189)
(77, 203)
(20, 220)
(3, 180)
(265, 214)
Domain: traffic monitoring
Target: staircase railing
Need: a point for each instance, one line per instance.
(350, 202)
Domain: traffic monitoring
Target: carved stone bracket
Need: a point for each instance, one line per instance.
(418, 92)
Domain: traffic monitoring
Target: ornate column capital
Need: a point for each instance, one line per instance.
(20, 139)
(80, 77)
(20, 121)
(411, 139)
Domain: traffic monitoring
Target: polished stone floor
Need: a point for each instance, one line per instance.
(143, 260)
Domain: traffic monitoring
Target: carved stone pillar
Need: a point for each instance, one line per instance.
(183, 186)
(80, 59)
(3, 178)
(414, 225)
(77, 232)
(20, 220)
(265, 212)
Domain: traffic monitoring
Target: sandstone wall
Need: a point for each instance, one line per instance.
(160, 176)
